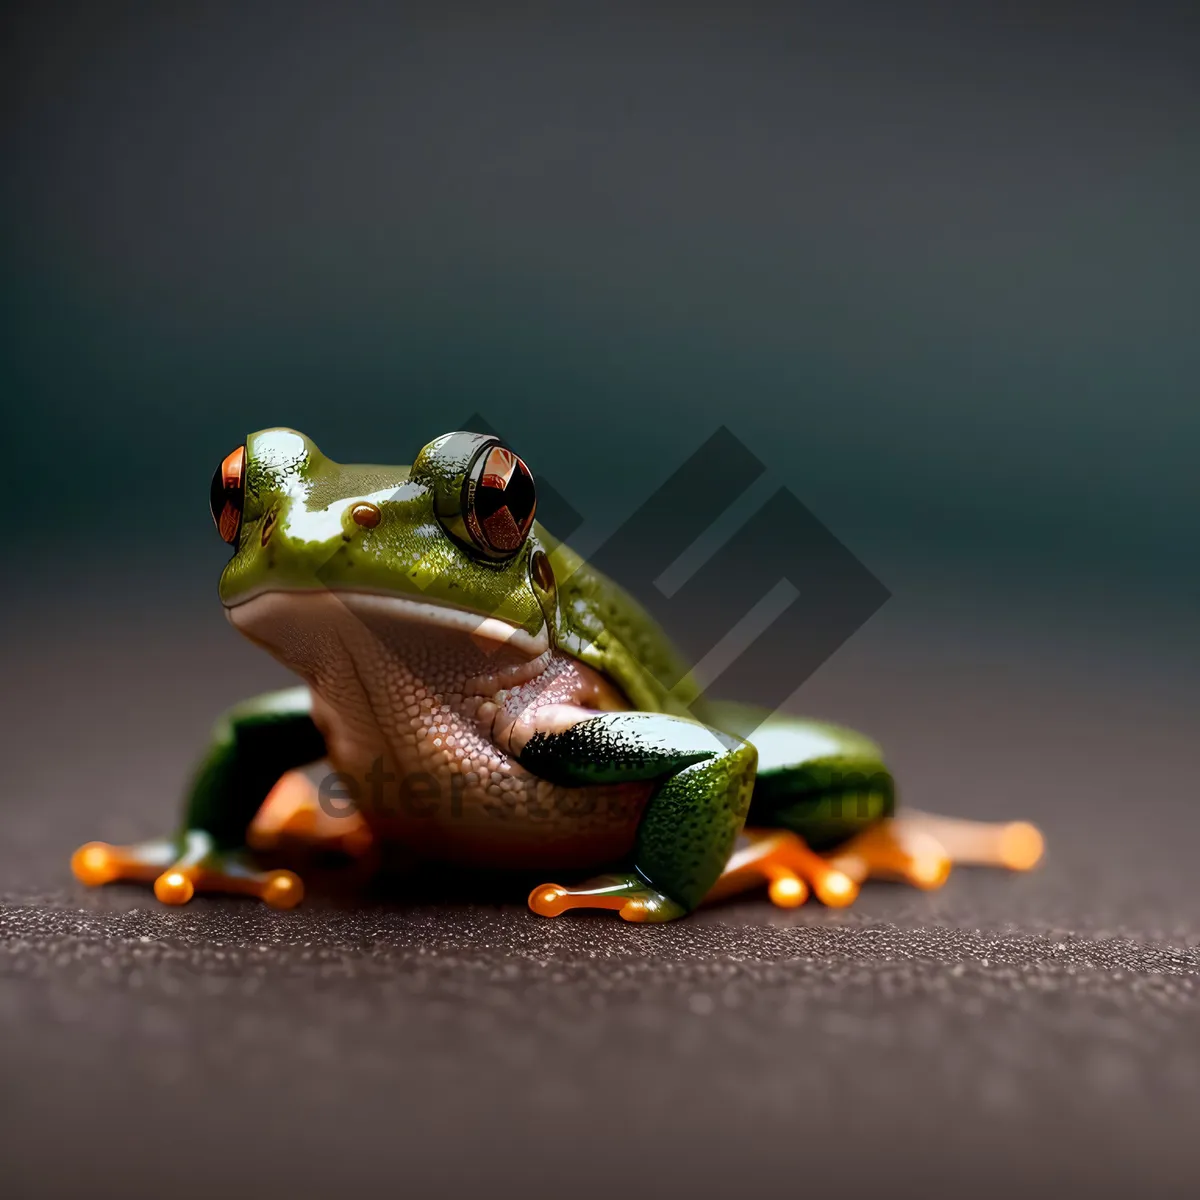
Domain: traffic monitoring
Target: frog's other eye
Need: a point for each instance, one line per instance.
(499, 500)
(484, 495)
(227, 494)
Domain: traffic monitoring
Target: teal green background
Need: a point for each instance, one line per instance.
(939, 273)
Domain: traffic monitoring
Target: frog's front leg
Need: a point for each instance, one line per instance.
(689, 826)
(253, 745)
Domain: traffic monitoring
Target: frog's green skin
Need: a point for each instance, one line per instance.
(579, 741)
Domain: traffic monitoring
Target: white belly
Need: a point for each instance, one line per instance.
(420, 723)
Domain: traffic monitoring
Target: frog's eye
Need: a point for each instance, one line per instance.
(498, 502)
(227, 494)
(484, 495)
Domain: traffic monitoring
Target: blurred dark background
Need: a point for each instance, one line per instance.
(937, 267)
(940, 271)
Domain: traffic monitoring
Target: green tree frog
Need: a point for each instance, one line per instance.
(485, 697)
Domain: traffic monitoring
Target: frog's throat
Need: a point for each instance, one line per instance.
(258, 610)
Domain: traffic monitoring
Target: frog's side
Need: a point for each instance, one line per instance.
(484, 696)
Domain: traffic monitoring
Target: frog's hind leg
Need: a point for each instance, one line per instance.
(916, 848)
(292, 814)
(824, 796)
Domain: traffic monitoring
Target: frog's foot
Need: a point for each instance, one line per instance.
(292, 813)
(896, 850)
(791, 871)
(181, 867)
(919, 849)
(630, 895)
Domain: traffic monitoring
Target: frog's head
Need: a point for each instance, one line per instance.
(448, 543)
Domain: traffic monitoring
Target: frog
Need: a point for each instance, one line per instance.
(485, 698)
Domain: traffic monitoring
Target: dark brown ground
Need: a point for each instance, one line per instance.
(1007, 1031)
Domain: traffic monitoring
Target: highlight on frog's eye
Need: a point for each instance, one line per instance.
(227, 494)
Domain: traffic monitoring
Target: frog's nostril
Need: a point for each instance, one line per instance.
(227, 493)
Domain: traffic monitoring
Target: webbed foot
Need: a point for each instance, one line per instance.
(180, 867)
(916, 848)
(919, 849)
(791, 871)
(630, 895)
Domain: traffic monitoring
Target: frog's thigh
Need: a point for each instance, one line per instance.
(689, 825)
(822, 782)
(292, 815)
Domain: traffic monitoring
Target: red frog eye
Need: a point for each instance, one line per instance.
(227, 494)
(500, 502)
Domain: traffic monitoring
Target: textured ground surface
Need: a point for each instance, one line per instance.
(1028, 1031)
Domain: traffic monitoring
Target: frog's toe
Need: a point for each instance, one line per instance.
(896, 851)
(277, 889)
(919, 848)
(180, 868)
(628, 895)
(1015, 845)
(97, 863)
(201, 868)
(781, 860)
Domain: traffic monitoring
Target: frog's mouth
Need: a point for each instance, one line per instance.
(284, 621)
(425, 683)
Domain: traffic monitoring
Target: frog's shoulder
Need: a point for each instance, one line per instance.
(601, 624)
